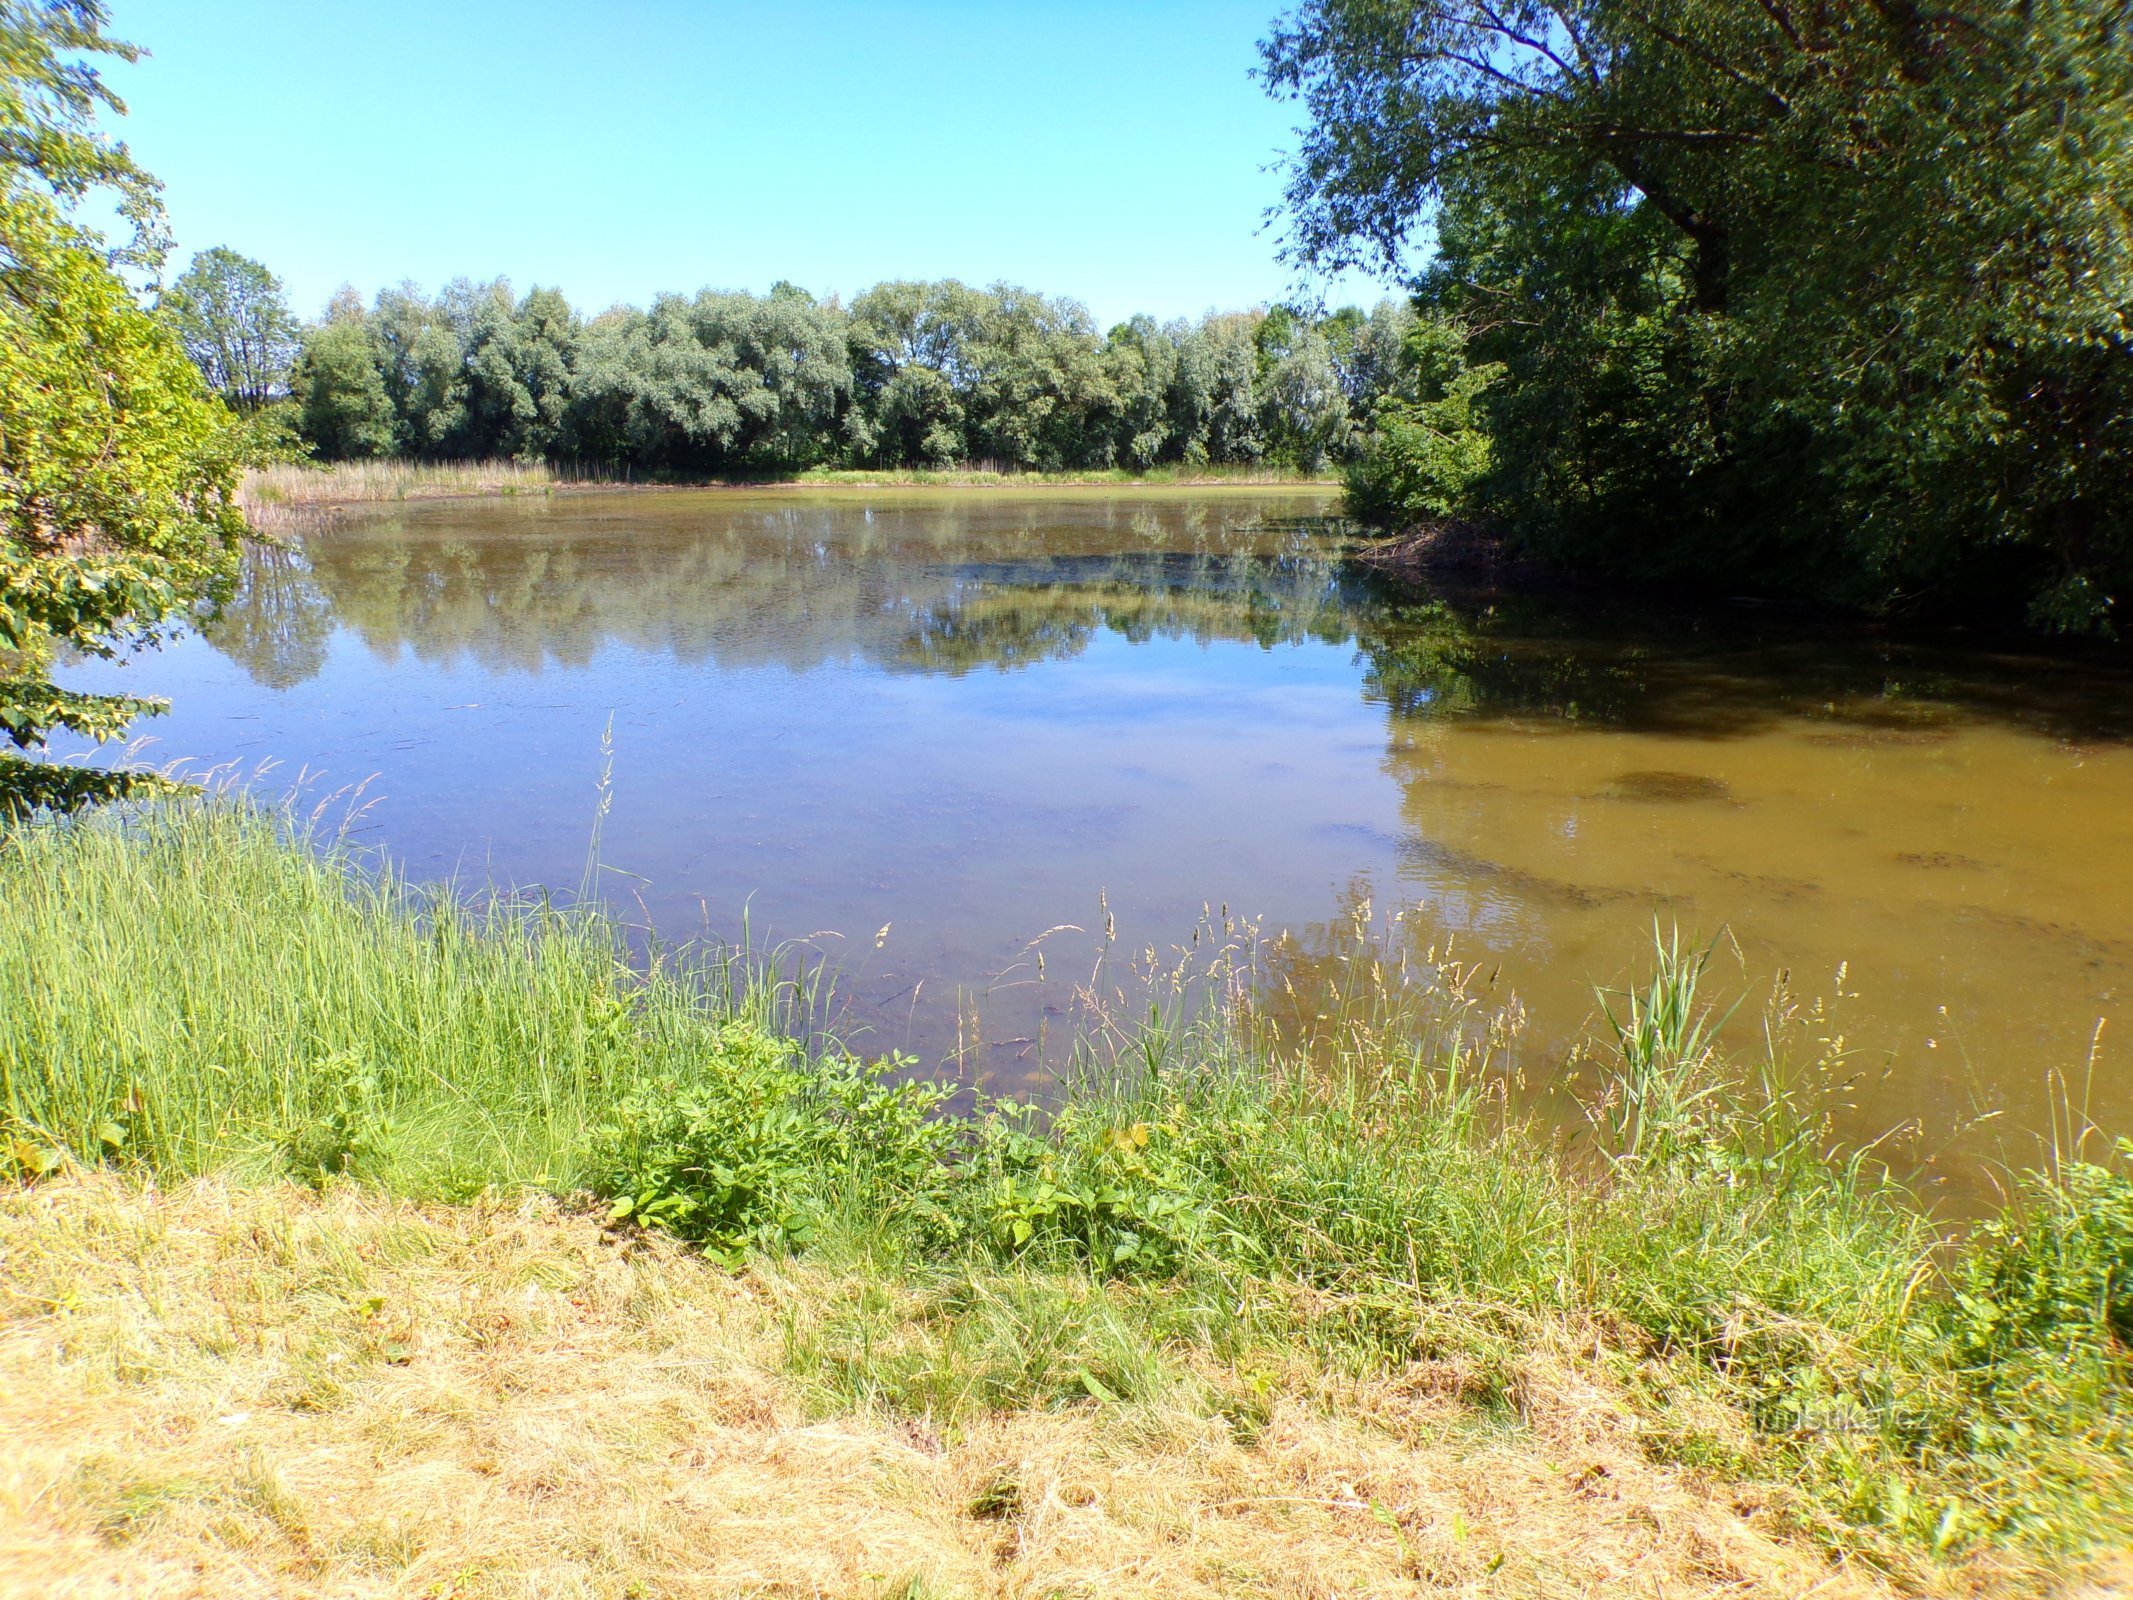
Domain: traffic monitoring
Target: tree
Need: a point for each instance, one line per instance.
(518, 361)
(1144, 365)
(910, 374)
(1424, 452)
(424, 371)
(49, 141)
(1848, 287)
(118, 473)
(229, 313)
(722, 382)
(340, 385)
(1306, 407)
(911, 348)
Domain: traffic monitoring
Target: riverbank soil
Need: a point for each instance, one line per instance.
(222, 1391)
(1456, 551)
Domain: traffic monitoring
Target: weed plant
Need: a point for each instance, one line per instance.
(198, 987)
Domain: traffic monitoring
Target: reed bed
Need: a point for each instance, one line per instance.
(292, 483)
(295, 494)
(287, 499)
(290, 497)
(985, 474)
(1218, 1228)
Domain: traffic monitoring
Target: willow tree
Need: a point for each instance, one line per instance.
(1837, 295)
(118, 472)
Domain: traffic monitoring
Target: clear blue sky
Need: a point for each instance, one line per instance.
(1109, 150)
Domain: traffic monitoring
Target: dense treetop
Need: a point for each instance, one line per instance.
(907, 374)
(1833, 298)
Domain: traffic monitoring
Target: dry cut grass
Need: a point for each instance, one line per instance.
(224, 1391)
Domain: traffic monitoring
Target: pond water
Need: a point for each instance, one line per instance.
(971, 717)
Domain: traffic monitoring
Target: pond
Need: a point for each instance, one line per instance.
(922, 730)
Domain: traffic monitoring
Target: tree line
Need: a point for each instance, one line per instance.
(907, 375)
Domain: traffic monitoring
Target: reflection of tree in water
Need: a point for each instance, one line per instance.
(1713, 674)
(953, 584)
(1008, 616)
(791, 585)
(278, 624)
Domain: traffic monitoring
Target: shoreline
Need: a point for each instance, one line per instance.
(1255, 1280)
(290, 494)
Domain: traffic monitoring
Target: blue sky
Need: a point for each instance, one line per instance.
(1115, 152)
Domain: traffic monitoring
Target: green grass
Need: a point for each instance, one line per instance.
(192, 992)
(199, 988)
(1206, 475)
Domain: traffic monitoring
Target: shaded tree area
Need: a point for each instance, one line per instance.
(1832, 300)
(906, 375)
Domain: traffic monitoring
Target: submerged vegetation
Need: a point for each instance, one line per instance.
(202, 994)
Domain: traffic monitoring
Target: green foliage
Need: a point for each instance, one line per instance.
(723, 381)
(117, 483)
(1118, 1197)
(1826, 301)
(272, 435)
(28, 787)
(1428, 452)
(754, 1146)
(117, 474)
(347, 415)
(229, 313)
(517, 372)
(910, 375)
(51, 93)
(2056, 1277)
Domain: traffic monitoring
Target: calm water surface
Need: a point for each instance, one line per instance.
(970, 718)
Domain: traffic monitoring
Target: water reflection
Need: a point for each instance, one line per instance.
(953, 588)
(968, 716)
(937, 587)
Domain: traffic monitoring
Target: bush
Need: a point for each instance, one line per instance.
(1115, 1192)
(1423, 458)
(752, 1148)
(2054, 1278)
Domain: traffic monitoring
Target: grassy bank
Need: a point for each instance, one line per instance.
(290, 493)
(222, 1390)
(1216, 1309)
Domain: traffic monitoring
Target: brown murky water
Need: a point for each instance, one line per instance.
(966, 716)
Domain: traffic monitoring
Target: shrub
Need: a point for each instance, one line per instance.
(751, 1148)
(2054, 1277)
